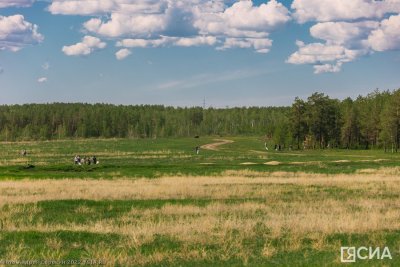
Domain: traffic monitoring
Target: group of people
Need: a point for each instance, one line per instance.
(85, 160)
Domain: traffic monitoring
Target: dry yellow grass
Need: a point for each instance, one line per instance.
(232, 184)
(193, 223)
(309, 206)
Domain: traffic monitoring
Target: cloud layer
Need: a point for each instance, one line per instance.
(348, 30)
(344, 10)
(88, 45)
(16, 3)
(150, 23)
(387, 35)
(343, 30)
(16, 33)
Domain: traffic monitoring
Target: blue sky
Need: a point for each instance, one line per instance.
(233, 53)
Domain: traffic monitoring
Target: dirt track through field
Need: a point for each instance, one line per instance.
(215, 146)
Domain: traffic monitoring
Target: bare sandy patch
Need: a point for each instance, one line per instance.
(272, 163)
(305, 162)
(372, 160)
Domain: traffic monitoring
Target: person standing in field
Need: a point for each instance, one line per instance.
(197, 150)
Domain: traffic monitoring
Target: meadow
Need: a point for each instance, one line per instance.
(155, 202)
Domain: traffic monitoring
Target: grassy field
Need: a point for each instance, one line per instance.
(121, 158)
(157, 203)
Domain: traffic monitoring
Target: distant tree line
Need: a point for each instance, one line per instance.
(371, 121)
(60, 121)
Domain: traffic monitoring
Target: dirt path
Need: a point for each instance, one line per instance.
(215, 146)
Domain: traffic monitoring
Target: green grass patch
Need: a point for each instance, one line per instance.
(174, 156)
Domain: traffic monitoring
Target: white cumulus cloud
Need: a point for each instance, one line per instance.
(343, 33)
(387, 36)
(86, 47)
(243, 19)
(261, 45)
(165, 40)
(127, 25)
(91, 7)
(131, 43)
(123, 53)
(16, 33)
(77, 7)
(154, 23)
(324, 57)
(16, 3)
(325, 10)
(324, 68)
(42, 80)
(348, 30)
(196, 41)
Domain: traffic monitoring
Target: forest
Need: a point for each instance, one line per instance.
(367, 122)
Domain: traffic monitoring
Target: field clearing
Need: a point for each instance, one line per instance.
(121, 158)
(224, 207)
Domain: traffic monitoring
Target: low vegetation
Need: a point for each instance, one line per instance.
(239, 218)
(157, 203)
(119, 158)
